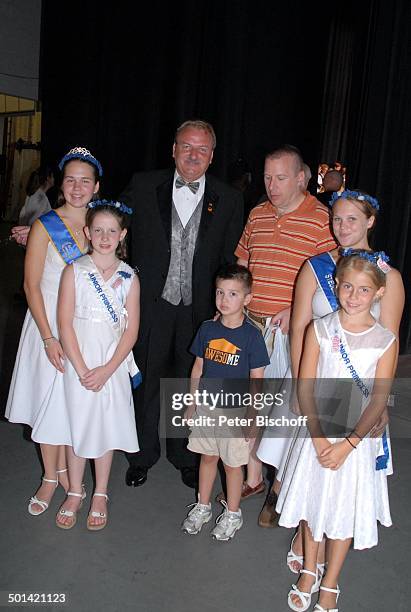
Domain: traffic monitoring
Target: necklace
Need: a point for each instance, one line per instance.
(104, 270)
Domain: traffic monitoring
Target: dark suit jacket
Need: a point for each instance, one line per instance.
(149, 194)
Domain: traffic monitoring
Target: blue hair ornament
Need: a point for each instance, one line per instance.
(113, 203)
(354, 195)
(83, 154)
(377, 258)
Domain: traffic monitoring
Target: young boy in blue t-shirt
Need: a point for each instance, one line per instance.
(231, 347)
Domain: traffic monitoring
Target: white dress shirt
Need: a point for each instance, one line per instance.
(185, 200)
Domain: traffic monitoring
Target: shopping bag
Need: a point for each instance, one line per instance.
(280, 355)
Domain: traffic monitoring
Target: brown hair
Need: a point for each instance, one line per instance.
(61, 199)
(122, 219)
(236, 272)
(290, 150)
(365, 207)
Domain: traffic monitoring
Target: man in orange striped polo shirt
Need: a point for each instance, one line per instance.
(280, 234)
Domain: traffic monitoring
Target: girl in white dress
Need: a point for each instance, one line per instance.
(36, 388)
(331, 485)
(354, 216)
(98, 316)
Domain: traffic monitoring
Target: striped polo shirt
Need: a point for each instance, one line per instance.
(276, 247)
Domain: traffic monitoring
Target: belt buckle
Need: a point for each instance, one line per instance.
(256, 318)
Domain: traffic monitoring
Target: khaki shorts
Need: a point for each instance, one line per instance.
(217, 439)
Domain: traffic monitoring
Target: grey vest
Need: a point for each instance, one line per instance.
(183, 241)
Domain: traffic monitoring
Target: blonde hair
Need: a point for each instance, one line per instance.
(359, 263)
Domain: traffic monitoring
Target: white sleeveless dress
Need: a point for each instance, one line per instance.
(274, 450)
(94, 422)
(35, 382)
(347, 502)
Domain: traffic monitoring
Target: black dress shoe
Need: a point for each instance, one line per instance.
(136, 476)
(189, 476)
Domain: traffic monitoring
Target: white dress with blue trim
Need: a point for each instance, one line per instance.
(347, 502)
(273, 449)
(95, 422)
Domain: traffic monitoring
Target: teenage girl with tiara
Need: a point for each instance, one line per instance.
(55, 239)
(331, 484)
(98, 316)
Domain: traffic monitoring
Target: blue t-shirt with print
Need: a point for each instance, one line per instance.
(227, 352)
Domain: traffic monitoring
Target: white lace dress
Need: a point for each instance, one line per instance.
(94, 422)
(347, 502)
(35, 382)
(273, 449)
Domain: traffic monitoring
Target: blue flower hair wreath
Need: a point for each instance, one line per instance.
(377, 258)
(355, 195)
(113, 203)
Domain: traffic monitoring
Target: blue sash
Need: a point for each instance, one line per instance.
(381, 460)
(323, 267)
(61, 237)
(115, 312)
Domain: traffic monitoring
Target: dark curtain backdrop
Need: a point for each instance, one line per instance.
(336, 80)
(121, 82)
(367, 120)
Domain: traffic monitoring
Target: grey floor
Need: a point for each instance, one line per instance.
(142, 561)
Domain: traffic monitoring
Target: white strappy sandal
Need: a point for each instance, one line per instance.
(320, 608)
(102, 515)
(304, 597)
(40, 502)
(293, 557)
(70, 513)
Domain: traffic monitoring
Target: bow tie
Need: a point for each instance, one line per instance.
(193, 187)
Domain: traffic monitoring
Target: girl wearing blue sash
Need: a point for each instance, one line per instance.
(330, 483)
(98, 315)
(353, 216)
(55, 239)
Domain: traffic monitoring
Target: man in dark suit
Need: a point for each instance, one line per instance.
(185, 225)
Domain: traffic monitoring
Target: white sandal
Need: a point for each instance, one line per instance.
(71, 513)
(102, 515)
(293, 557)
(320, 608)
(40, 502)
(304, 597)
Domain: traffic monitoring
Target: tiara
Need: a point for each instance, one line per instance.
(84, 154)
(355, 195)
(377, 258)
(113, 203)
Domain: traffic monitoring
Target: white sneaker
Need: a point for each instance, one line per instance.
(227, 524)
(196, 518)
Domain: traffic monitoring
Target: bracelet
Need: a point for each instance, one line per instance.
(45, 344)
(349, 442)
(355, 434)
